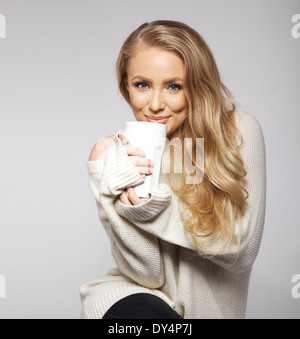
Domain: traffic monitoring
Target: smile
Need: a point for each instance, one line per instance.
(159, 120)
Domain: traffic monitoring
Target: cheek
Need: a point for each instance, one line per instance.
(178, 104)
(138, 101)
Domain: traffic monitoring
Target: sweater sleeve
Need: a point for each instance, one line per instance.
(169, 227)
(137, 253)
(252, 224)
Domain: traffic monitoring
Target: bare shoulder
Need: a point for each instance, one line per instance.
(99, 150)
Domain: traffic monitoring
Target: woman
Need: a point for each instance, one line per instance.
(188, 250)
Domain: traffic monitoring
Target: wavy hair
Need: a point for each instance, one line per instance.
(211, 208)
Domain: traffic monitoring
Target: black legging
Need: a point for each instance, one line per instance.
(141, 306)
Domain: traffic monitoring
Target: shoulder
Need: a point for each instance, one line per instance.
(249, 126)
(246, 121)
(253, 149)
(99, 150)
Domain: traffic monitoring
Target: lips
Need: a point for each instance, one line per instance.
(159, 120)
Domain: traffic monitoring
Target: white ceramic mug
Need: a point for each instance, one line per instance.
(151, 138)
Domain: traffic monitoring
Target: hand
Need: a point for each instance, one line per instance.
(129, 197)
(144, 167)
(137, 156)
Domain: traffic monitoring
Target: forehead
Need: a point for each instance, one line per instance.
(156, 62)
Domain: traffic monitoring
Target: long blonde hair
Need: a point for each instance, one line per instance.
(212, 207)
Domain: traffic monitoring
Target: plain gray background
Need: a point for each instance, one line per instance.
(58, 96)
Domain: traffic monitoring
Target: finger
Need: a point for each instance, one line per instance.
(143, 166)
(132, 150)
(133, 198)
(139, 161)
(124, 198)
(122, 139)
(144, 170)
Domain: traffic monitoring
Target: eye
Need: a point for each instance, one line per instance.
(175, 87)
(141, 85)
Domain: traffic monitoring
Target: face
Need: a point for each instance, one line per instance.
(155, 85)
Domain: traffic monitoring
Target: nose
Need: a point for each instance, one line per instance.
(156, 103)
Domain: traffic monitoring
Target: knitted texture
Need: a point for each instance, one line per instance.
(154, 254)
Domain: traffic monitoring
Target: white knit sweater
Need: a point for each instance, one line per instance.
(153, 254)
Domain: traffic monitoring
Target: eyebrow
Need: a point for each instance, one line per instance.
(168, 81)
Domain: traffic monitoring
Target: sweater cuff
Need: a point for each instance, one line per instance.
(95, 166)
(160, 199)
(118, 170)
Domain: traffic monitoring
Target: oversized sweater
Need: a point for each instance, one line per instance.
(154, 254)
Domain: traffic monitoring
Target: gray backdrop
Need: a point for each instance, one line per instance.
(58, 96)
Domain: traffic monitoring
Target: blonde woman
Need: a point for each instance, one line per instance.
(188, 250)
